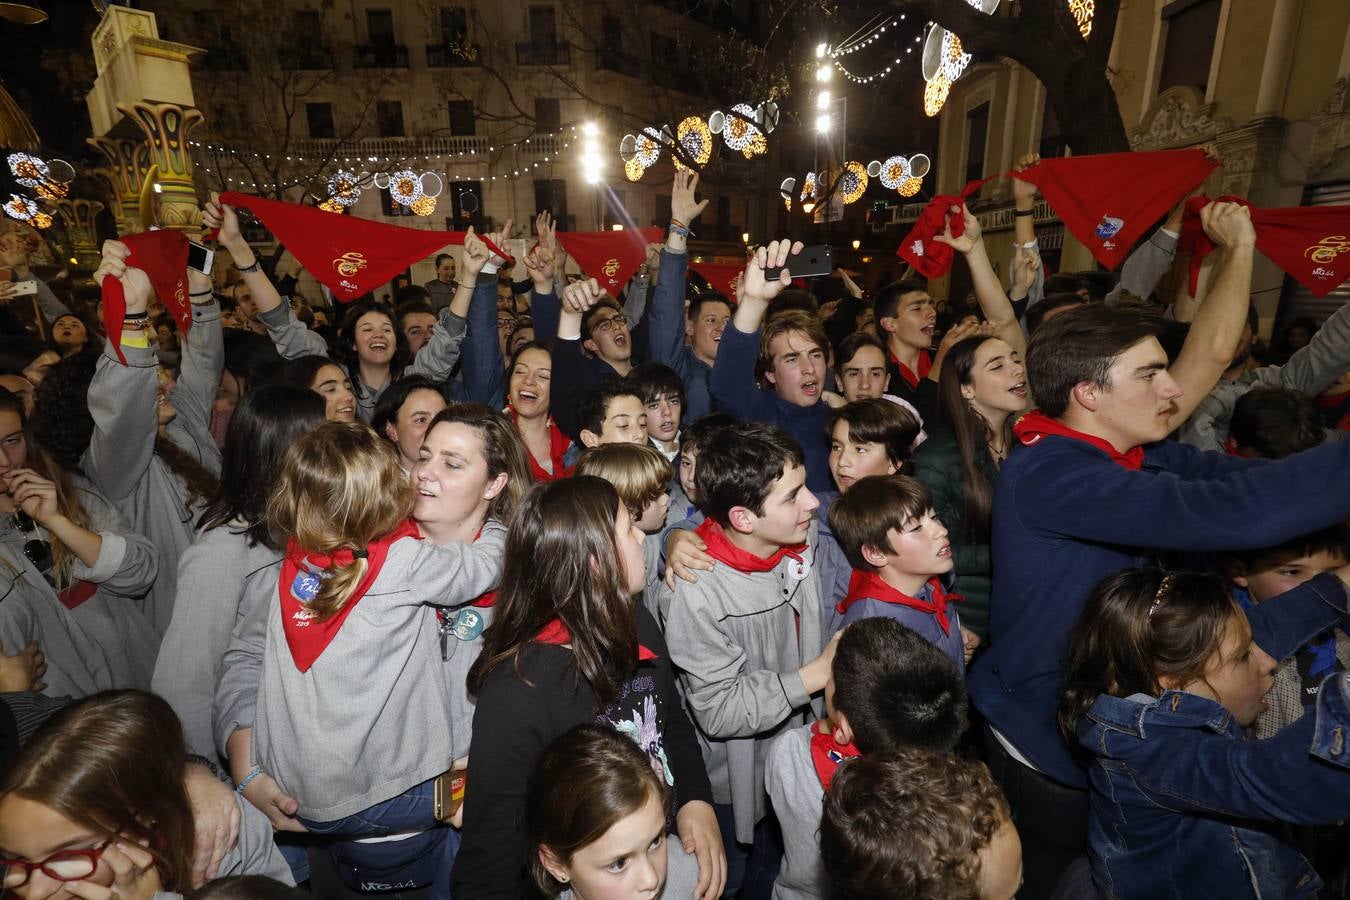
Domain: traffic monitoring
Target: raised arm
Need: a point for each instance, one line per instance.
(1214, 334)
(199, 376)
(994, 303)
(733, 374)
(484, 368)
(292, 338)
(665, 330)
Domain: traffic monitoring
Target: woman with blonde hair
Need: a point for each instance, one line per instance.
(332, 705)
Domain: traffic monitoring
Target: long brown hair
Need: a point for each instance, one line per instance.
(114, 763)
(341, 487)
(67, 495)
(503, 451)
(563, 540)
(972, 434)
(1139, 627)
(584, 783)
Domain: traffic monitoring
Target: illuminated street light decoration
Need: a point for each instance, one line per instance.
(785, 191)
(808, 186)
(910, 186)
(331, 205)
(52, 190)
(852, 182)
(424, 205)
(894, 171)
(633, 170)
(954, 57)
(343, 188)
(28, 170)
(695, 140)
(647, 147)
(758, 146)
(20, 208)
(944, 59)
(428, 180)
(405, 187)
(739, 130)
(42, 220)
(935, 95)
(1083, 12)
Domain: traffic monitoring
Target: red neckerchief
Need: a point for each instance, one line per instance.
(556, 632)
(827, 754)
(1036, 425)
(871, 586)
(77, 594)
(558, 445)
(925, 366)
(305, 635)
(722, 549)
(930, 257)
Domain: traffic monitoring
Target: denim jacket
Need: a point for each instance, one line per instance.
(1183, 806)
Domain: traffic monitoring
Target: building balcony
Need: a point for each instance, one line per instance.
(380, 56)
(392, 148)
(549, 145)
(543, 53)
(306, 58)
(452, 56)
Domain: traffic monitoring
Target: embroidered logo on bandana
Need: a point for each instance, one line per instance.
(468, 625)
(1325, 251)
(1108, 227)
(917, 247)
(348, 265)
(305, 587)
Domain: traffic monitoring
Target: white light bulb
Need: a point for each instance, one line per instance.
(823, 123)
(820, 50)
(823, 100)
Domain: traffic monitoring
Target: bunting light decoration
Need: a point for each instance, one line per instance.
(21, 208)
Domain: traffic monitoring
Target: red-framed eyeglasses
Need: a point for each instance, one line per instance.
(67, 865)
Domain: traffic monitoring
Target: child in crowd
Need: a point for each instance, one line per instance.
(663, 394)
(332, 704)
(1260, 575)
(641, 475)
(915, 824)
(596, 816)
(888, 688)
(611, 411)
(684, 493)
(860, 366)
(747, 635)
(94, 806)
(902, 560)
(1163, 672)
(567, 647)
(870, 437)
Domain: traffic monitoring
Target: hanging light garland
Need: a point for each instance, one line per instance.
(1083, 12)
(879, 74)
(21, 208)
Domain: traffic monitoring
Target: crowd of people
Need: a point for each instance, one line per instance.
(514, 587)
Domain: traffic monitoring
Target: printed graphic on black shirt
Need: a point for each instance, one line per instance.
(636, 713)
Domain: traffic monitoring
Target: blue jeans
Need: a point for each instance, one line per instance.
(751, 868)
(424, 859)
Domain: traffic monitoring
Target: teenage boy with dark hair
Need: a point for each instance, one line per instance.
(888, 688)
(915, 824)
(611, 411)
(1094, 489)
(593, 343)
(662, 392)
(684, 493)
(668, 325)
(747, 636)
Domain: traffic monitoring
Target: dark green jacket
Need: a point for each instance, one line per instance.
(938, 465)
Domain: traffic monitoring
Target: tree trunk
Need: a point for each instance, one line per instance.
(1088, 113)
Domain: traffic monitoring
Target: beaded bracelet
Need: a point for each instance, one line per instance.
(257, 770)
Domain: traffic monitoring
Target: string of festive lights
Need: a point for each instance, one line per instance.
(866, 41)
(868, 79)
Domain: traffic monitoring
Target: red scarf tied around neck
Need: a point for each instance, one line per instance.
(558, 445)
(1036, 425)
(827, 754)
(555, 632)
(301, 578)
(722, 549)
(871, 586)
(912, 378)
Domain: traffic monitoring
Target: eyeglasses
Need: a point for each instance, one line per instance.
(608, 325)
(68, 865)
(38, 551)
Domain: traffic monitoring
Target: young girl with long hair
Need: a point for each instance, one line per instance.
(94, 806)
(1163, 673)
(596, 819)
(569, 646)
(982, 389)
(332, 703)
(234, 543)
(142, 438)
(70, 571)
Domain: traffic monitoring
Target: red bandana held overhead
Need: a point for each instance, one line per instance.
(929, 257)
(722, 276)
(1036, 425)
(300, 581)
(912, 378)
(610, 257)
(163, 256)
(1310, 243)
(351, 256)
(827, 754)
(722, 549)
(871, 586)
(558, 445)
(556, 632)
(1109, 200)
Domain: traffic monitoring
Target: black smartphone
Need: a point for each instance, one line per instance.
(200, 258)
(812, 262)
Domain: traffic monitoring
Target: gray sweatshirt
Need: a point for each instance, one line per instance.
(371, 717)
(1311, 369)
(254, 851)
(435, 361)
(121, 460)
(795, 791)
(212, 574)
(462, 646)
(29, 611)
(739, 639)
